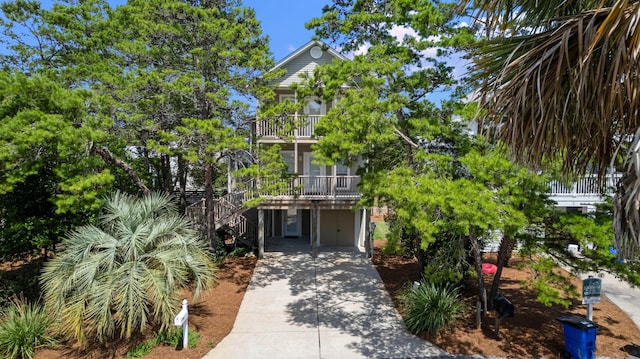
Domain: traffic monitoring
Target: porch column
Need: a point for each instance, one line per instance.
(260, 233)
(295, 138)
(314, 231)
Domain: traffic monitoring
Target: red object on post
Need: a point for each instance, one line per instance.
(488, 268)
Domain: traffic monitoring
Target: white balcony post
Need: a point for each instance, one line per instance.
(261, 233)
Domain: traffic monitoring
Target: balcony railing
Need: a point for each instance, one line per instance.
(290, 126)
(317, 187)
(585, 191)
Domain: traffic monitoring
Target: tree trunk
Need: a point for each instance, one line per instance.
(107, 157)
(482, 294)
(209, 210)
(182, 181)
(504, 253)
(166, 173)
(422, 261)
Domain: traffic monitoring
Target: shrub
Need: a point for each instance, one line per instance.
(127, 274)
(429, 307)
(239, 252)
(24, 327)
(172, 338)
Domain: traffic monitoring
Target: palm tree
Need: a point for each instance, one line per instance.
(127, 275)
(562, 83)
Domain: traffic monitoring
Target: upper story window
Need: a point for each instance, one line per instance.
(288, 98)
(288, 157)
(315, 107)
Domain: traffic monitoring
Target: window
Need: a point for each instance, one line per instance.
(288, 158)
(342, 174)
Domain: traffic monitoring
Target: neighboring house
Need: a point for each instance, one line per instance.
(319, 206)
(582, 195)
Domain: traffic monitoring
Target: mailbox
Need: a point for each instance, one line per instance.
(503, 306)
(181, 318)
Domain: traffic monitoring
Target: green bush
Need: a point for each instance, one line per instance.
(126, 275)
(172, 338)
(24, 327)
(429, 307)
(239, 252)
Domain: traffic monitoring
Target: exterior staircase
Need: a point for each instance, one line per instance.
(229, 213)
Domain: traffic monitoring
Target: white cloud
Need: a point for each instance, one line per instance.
(399, 32)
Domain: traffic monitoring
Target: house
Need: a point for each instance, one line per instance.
(318, 207)
(318, 204)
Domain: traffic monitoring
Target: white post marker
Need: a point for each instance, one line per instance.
(591, 289)
(181, 321)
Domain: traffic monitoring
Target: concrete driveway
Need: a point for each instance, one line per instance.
(334, 306)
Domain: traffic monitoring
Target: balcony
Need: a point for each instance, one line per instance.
(318, 188)
(582, 193)
(297, 126)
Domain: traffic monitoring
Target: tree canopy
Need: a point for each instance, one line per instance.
(151, 95)
(559, 80)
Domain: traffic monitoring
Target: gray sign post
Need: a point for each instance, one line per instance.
(591, 290)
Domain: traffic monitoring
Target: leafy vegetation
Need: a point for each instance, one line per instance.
(578, 53)
(430, 307)
(171, 338)
(25, 327)
(124, 276)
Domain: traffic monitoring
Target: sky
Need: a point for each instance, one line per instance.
(283, 21)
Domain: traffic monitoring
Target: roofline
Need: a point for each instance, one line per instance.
(305, 47)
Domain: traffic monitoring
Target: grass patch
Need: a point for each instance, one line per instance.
(24, 327)
(173, 339)
(380, 233)
(430, 307)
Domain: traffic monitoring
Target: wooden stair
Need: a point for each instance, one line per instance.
(229, 215)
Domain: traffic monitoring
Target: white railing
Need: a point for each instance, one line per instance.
(300, 125)
(317, 187)
(585, 191)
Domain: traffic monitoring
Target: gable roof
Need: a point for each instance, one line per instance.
(304, 48)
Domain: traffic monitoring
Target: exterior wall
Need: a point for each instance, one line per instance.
(333, 195)
(303, 63)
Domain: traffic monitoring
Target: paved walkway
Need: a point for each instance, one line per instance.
(332, 307)
(621, 294)
(335, 306)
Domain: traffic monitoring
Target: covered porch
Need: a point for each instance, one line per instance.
(308, 229)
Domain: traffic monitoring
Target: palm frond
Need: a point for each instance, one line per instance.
(126, 276)
(568, 90)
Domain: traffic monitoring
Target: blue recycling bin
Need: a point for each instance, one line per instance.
(579, 336)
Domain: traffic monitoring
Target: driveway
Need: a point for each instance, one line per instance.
(333, 306)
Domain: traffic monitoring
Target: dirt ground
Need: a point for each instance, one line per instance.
(212, 316)
(533, 332)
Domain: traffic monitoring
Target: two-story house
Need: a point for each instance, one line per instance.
(318, 208)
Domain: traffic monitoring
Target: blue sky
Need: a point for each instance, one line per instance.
(283, 21)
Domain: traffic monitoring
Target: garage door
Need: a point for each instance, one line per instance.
(337, 228)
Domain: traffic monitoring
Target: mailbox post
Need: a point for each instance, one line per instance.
(591, 290)
(181, 321)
